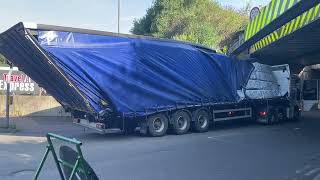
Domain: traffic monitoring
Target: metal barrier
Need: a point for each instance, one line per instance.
(77, 163)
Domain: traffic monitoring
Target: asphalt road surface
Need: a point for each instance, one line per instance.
(229, 151)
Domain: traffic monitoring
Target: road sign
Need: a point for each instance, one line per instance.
(254, 12)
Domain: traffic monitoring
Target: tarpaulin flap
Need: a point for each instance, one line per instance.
(140, 75)
(22, 50)
(131, 75)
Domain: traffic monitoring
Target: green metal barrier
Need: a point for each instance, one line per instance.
(78, 167)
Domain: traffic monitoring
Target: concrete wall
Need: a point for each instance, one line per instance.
(32, 106)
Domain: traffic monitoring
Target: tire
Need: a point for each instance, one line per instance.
(200, 121)
(157, 125)
(181, 121)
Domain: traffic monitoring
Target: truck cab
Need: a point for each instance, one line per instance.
(288, 104)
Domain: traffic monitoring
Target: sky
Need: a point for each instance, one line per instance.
(89, 14)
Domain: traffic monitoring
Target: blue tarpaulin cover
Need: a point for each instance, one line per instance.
(140, 75)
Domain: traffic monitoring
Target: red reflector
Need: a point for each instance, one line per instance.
(100, 126)
(263, 113)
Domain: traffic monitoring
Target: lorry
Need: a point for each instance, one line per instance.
(309, 77)
(110, 81)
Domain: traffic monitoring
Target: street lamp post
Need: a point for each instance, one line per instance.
(118, 16)
(7, 125)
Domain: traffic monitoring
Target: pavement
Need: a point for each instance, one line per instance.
(229, 151)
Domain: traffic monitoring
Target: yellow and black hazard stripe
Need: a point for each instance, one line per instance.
(270, 12)
(304, 19)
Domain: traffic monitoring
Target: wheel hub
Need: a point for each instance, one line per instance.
(182, 123)
(202, 121)
(158, 125)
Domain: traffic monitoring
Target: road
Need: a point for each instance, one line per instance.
(229, 151)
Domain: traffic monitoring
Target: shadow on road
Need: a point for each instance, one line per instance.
(40, 126)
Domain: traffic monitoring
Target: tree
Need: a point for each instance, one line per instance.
(204, 22)
(2, 59)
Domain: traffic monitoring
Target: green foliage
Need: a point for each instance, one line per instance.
(204, 22)
(2, 59)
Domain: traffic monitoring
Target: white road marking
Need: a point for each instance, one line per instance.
(225, 135)
(216, 139)
(10, 139)
(317, 177)
(313, 171)
(305, 168)
(220, 137)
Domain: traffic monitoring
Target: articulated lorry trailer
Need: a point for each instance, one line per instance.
(113, 81)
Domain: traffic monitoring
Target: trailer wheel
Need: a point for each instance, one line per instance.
(200, 121)
(181, 122)
(157, 125)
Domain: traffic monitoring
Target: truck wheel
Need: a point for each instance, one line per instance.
(157, 125)
(200, 121)
(181, 122)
